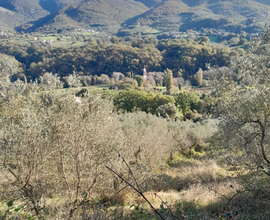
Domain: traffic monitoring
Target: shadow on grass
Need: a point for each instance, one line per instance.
(244, 206)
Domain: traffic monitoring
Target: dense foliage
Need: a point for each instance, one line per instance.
(96, 59)
(243, 102)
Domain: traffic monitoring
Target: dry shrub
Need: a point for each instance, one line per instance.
(205, 173)
(187, 174)
(148, 136)
(197, 198)
(59, 145)
(188, 135)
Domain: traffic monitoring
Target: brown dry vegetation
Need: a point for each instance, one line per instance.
(55, 147)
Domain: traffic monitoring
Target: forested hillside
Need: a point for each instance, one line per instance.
(105, 13)
(185, 15)
(53, 15)
(29, 8)
(55, 5)
(97, 59)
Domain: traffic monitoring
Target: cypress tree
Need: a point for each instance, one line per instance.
(168, 78)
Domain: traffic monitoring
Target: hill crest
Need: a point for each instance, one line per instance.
(32, 15)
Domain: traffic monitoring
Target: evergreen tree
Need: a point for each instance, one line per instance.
(180, 85)
(139, 80)
(186, 101)
(168, 78)
(199, 77)
(166, 111)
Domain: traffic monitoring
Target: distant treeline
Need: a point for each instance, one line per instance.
(182, 57)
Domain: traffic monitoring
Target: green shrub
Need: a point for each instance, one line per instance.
(166, 111)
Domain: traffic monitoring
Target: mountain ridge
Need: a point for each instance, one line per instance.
(198, 12)
(97, 13)
(34, 15)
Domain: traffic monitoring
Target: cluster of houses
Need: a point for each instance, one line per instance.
(92, 31)
(88, 30)
(48, 41)
(254, 35)
(7, 34)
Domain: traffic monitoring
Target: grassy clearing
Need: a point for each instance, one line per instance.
(66, 38)
(63, 91)
(78, 43)
(245, 46)
(88, 33)
(102, 86)
(160, 88)
(213, 39)
(203, 90)
(151, 31)
(194, 188)
(48, 38)
(188, 185)
(60, 43)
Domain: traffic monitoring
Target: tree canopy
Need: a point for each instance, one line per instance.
(243, 98)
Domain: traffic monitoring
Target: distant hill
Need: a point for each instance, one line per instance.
(187, 14)
(9, 19)
(31, 15)
(53, 6)
(96, 13)
(161, 13)
(192, 3)
(266, 2)
(151, 3)
(28, 8)
(24, 11)
(16, 12)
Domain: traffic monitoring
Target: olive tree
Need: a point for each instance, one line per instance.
(73, 81)
(243, 97)
(56, 145)
(8, 65)
(50, 81)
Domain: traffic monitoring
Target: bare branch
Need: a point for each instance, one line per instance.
(139, 192)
